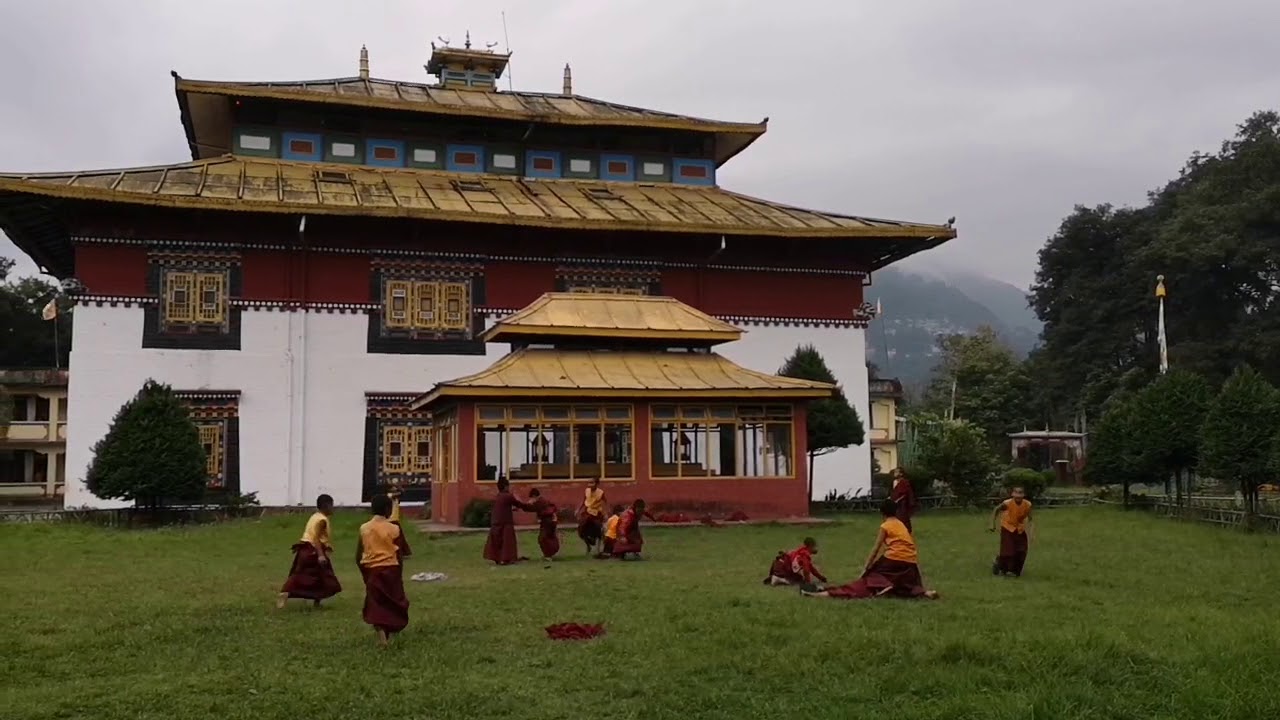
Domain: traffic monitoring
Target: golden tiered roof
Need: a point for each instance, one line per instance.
(628, 317)
(250, 184)
(601, 373)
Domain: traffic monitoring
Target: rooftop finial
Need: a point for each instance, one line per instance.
(568, 80)
(468, 43)
(364, 63)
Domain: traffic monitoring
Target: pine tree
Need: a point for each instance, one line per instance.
(1238, 433)
(151, 454)
(832, 422)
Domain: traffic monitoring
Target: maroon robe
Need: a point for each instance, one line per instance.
(904, 499)
(501, 546)
(548, 538)
(308, 578)
(1013, 552)
(901, 579)
(386, 607)
(629, 538)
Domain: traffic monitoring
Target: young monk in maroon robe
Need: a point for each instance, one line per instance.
(501, 546)
(630, 541)
(548, 538)
(796, 567)
(1015, 533)
(380, 553)
(892, 566)
(904, 498)
(311, 577)
(591, 516)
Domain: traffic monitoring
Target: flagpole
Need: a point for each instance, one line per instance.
(57, 351)
(1161, 335)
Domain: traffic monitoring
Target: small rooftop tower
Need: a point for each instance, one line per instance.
(465, 68)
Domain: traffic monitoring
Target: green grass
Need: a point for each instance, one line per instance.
(1119, 616)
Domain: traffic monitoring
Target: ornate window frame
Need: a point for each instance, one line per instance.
(389, 420)
(414, 314)
(216, 414)
(194, 308)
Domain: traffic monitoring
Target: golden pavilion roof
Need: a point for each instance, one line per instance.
(533, 372)
(267, 185)
(205, 107)
(631, 317)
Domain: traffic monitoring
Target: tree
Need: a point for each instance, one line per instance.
(1167, 417)
(1113, 455)
(832, 422)
(992, 389)
(151, 454)
(26, 339)
(956, 453)
(1238, 433)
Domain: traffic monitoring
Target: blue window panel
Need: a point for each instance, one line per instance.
(542, 164)
(464, 158)
(693, 172)
(308, 147)
(618, 167)
(384, 153)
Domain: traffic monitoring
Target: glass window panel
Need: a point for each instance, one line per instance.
(778, 450)
(586, 413)
(617, 451)
(662, 444)
(555, 413)
(524, 412)
(618, 413)
(724, 411)
(492, 452)
(663, 411)
(693, 412)
(492, 412)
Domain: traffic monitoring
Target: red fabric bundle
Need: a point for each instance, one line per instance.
(706, 520)
(574, 631)
(737, 516)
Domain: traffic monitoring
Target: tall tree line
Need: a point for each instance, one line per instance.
(26, 339)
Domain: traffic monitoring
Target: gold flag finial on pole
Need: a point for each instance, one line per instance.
(1160, 291)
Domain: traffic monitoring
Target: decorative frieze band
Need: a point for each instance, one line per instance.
(744, 319)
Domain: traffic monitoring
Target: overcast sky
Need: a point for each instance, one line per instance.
(1004, 113)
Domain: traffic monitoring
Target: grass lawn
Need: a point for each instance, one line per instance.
(1119, 616)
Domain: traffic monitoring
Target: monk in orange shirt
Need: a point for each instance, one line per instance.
(892, 567)
(380, 552)
(311, 577)
(1015, 533)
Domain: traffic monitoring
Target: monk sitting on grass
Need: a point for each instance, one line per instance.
(892, 567)
(630, 541)
(796, 567)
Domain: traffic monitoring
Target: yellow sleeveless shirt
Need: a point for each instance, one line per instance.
(317, 530)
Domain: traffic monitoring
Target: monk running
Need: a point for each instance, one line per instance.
(591, 516)
(1015, 533)
(796, 567)
(892, 567)
(311, 577)
(548, 538)
(380, 552)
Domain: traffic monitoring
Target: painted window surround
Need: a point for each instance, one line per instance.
(530, 162)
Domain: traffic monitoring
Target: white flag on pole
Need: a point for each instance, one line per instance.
(50, 310)
(1161, 338)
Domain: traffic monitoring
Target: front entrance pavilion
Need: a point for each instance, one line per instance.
(625, 389)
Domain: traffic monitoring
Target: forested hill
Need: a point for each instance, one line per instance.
(917, 308)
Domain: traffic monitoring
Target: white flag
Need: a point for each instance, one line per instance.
(1164, 341)
(50, 310)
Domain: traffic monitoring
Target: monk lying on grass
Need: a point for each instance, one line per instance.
(892, 567)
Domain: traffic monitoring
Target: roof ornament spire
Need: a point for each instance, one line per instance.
(364, 62)
(568, 80)
(467, 44)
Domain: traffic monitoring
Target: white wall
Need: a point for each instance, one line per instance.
(302, 379)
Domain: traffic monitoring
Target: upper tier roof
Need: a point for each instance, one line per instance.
(206, 108)
(627, 317)
(601, 373)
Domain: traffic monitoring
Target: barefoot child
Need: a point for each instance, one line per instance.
(545, 510)
(610, 537)
(380, 552)
(311, 577)
(591, 516)
(892, 567)
(1015, 533)
(796, 567)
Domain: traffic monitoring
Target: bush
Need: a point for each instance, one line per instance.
(478, 513)
(921, 480)
(1034, 482)
(151, 454)
(956, 453)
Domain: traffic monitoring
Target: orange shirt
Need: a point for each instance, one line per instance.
(317, 530)
(1015, 515)
(611, 528)
(378, 543)
(594, 502)
(395, 510)
(898, 543)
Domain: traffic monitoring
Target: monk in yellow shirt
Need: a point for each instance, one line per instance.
(611, 533)
(591, 515)
(311, 577)
(892, 567)
(380, 552)
(1015, 533)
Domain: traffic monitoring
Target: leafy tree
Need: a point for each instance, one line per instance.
(26, 339)
(1167, 417)
(1238, 433)
(1113, 455)
(956, 453)
(992, 389)
(151, 454)
(832, 422)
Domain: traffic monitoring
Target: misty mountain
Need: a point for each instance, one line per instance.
(917, 306)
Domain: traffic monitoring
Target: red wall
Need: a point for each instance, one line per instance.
(759, 498)
(278, 275)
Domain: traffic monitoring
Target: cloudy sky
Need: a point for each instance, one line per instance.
(1004, 113)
